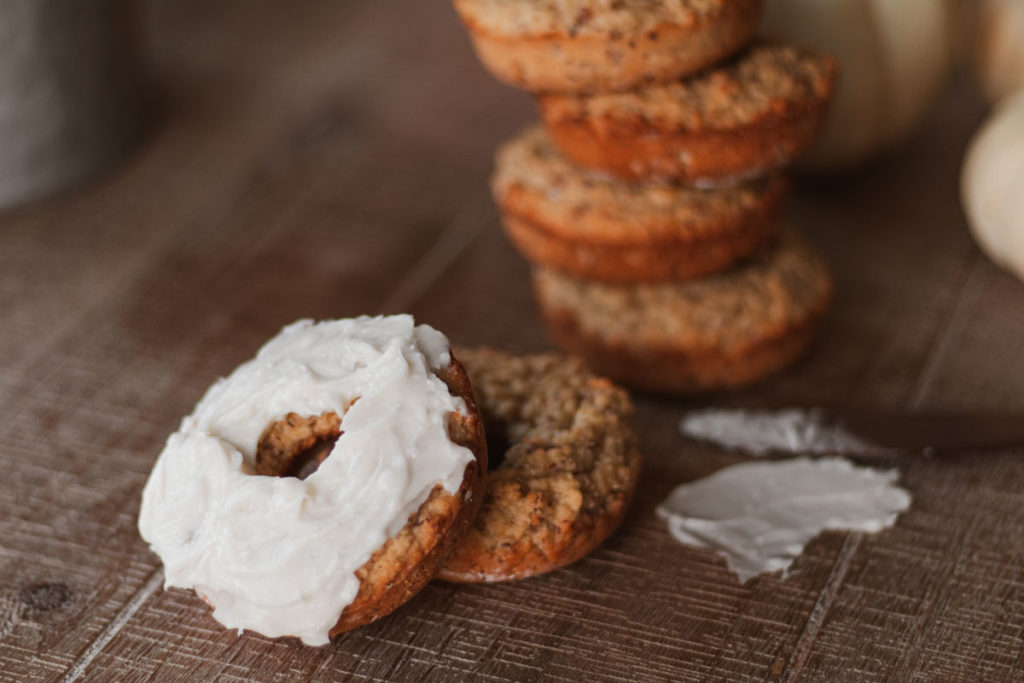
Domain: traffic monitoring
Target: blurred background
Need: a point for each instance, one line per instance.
(341, 150)
(81, 80)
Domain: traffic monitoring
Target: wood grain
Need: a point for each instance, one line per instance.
(327, 159)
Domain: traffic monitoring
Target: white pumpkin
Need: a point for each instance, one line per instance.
(999, 46)
(992, 185)
(894, 55)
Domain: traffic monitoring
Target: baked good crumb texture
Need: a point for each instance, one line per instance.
(567, 465)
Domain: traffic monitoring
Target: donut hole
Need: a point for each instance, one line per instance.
(296, 445)
(498, 443)
(308, 461)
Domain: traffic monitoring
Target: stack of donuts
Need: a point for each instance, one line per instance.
(649, 202)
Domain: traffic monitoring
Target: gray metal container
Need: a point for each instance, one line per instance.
(69, 95)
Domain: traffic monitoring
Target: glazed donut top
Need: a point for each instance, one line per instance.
(278, 555)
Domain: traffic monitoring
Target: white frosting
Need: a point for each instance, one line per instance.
(760, 433)
(760, 515)
(277, 555)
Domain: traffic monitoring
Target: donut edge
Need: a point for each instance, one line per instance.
(682, 370)
(561, 62)
(639, 147)
(585, 534)
(442, 519)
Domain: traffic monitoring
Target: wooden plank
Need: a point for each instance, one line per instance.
(356, 182)
(215, 280)
(198, 166)
(940, 597)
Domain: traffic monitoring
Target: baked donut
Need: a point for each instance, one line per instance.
(719, 332)
(739, 120)
(227, 510)
(588, 45)
(566, 465)
(564, 217)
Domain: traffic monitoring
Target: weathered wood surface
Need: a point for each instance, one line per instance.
(329, 158)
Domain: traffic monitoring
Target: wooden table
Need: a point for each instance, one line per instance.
(324, 159)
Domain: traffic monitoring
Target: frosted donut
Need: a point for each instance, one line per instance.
(379, 419)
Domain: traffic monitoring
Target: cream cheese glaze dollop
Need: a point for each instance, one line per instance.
(278, 555)
(761, 515)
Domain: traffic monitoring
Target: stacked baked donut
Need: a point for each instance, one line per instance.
(650, 200)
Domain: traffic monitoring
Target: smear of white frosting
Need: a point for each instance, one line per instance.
(760, 433)
(760, 515)
(278, 555)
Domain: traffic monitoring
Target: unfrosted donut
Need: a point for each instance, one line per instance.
(601, 45)
(737, 121)
(566, 472)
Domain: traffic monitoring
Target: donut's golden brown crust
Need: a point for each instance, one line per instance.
(633, 263)
(721, 332)
(680, 372)
(568, 473)
(736, 121)
(403, 565)
(573, 220)
(411, 558)
(602, 47)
